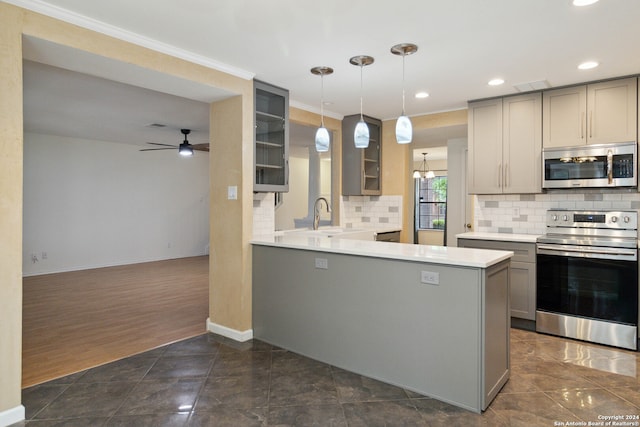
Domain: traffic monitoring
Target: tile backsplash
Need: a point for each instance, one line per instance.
(525, 213)
(264, 214)
(371, 211)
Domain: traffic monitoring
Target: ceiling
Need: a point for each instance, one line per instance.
(462, 45)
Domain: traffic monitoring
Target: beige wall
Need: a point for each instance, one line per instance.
(10, 207)
(233, 268)
(399, 156)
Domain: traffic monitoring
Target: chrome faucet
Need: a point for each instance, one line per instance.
(316, 211)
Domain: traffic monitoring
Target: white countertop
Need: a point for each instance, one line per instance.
(501, 237)
(464, 257)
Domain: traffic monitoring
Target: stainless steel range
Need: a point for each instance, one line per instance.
(587, 277)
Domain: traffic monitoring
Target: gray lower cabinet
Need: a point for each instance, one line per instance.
(523, 273)
(374, 317)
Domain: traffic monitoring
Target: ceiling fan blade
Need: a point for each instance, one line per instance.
(158, 149)
(200, 147)
(164, 145)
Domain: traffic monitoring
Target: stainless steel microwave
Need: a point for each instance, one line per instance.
(589, 166)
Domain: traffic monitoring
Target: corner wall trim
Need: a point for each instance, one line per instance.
(12, 416)
(240, 336)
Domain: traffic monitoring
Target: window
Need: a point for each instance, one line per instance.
(431, 202)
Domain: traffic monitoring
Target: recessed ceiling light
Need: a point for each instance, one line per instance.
(421, 95)
(588, 65)
(496, 82)
(583, 2)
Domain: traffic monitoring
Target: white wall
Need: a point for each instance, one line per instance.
(92, 204)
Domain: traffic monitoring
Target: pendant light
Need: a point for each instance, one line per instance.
(322, 134)
(361, 132)
(424, 171)
(404, 129)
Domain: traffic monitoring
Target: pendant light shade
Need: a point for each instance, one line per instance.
(361, 135)
(361, 132)
(322, 134)
(322, 140)
(404, 129)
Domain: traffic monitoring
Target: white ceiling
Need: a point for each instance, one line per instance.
(462, 44)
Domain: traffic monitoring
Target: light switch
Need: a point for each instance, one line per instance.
(232, 192)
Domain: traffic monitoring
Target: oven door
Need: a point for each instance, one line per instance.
(588, 293)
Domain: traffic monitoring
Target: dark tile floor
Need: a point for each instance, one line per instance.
(211, 381)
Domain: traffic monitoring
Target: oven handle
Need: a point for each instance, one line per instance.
(586, 252)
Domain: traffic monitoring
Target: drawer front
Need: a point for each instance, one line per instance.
(522, 252)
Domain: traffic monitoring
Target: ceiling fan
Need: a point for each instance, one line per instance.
(184, 149)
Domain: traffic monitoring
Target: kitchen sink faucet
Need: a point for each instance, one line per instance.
(316, 211)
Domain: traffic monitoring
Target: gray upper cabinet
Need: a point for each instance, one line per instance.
(505, 145)
(271, 138)
(361, 167)
(591, 114)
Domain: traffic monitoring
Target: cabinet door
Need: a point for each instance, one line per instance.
(564, 117)
(271, 138)
(371, 162)
(523, 290)
(522, 144)
(612, 111)
(361, 167)
(485, 147)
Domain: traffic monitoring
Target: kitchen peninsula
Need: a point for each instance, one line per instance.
(431, 319)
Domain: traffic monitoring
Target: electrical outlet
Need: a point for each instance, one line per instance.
(44, 255)
(430, 277)
(322, 263)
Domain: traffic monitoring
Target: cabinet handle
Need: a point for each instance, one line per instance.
(582, 125)
(506, 173)
(591, 124)
(499, 175)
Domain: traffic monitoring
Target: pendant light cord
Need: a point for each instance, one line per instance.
(403, 56)
(322, 100)
(361, 117)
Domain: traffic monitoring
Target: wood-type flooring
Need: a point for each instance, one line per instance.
(81, 319)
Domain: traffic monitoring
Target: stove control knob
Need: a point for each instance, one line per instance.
(565, 218)
(554, 217)
(626, 219)
(614, 219)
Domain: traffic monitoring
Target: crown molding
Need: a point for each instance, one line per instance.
(128, 36)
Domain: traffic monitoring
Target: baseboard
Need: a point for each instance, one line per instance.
(12, 416)
(240, 336)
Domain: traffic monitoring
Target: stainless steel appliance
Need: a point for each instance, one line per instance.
(587, 276)
(598, 165)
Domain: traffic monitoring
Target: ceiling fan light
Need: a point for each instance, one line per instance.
(185, 150)
(404, 130)
(361, 135)
(322, 140)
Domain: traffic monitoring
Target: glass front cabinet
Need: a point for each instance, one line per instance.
(271, 138)
(361, 167)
